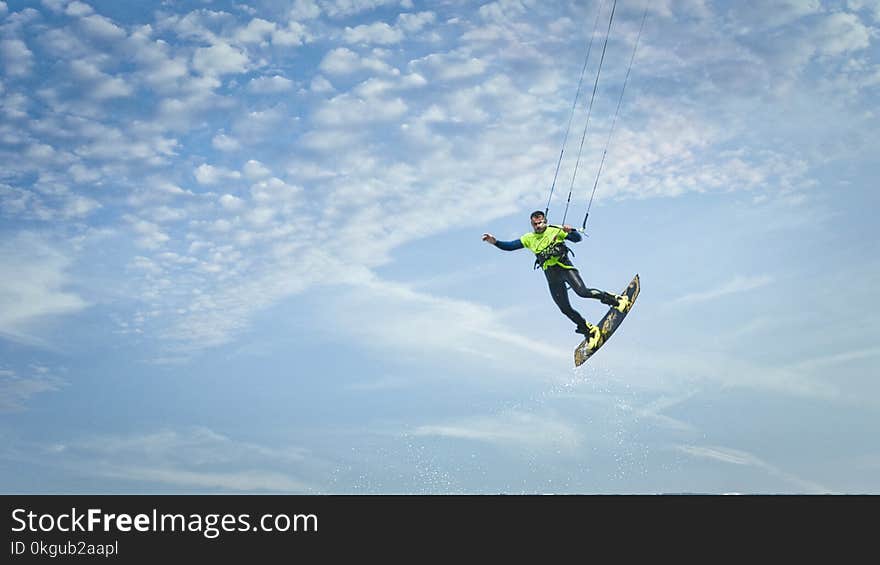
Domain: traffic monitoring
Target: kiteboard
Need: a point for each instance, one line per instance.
(607, 325)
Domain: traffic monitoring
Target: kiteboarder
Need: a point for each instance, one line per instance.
(551, 254)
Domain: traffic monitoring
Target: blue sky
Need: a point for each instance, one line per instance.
(240, 246)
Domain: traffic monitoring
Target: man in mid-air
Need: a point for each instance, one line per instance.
(547, 243)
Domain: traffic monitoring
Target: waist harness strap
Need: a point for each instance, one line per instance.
(558, 249)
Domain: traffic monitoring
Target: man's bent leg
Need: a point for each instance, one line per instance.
(573, 277)
(556, 282)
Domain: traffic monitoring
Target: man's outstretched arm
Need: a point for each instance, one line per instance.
(503, 245)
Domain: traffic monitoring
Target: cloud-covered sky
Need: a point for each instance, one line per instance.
(240, 246)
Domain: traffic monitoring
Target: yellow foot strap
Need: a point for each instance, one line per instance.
(595, 338)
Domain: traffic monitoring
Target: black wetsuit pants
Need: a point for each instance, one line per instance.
(557, 277)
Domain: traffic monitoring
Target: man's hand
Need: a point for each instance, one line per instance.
(567, 228)
(489, 238)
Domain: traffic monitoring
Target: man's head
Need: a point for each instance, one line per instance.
(539, 221)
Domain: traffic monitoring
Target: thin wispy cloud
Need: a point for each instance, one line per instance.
(824, 361)
(731, 456)
(519, 429)
(17, 387)
(38, 290)
(195, 457)
(736, 285)
(678, 372)
(434, 327)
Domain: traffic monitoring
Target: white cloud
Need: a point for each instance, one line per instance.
(223, 142)
(434, 114)
(673, 153)
(130, 145)
(56, 6)
(393, 316)
(17, 58)
(346, 109)
(257, 31)
(378, 32)
(78, 9)
(231, 202)
(341, 8)
(64, 43)
(373, 87)
(413, 80)
(293, 35)
(103, 85)
(742, 458)
(341, 61)
(112, 87)
(270, 85)
(165, 214)
(101, 28)
(413, 23)
(38, 289)
(219, 313)
(451, 66)
(329, 140)
(368, 312)
(181, 457)
(220, 59)
(158, 65)
(836, 359)
(683, 371)
(165, 189)
(15, 390)
(180, 113)
(840, 33)
(501, 11)
(321, 85)
(77, 206)
(254, 170)
(463, 69)
(203, 26)
(736, 285)
(15, 105)
(82, 174)
(40, 152)
(466, 105)
(208, 174)
(805, 40)
(261, 217)
(871, 6)
(20, 203)
(263, 125)
(276, 194)
(519, 429)
(304, 10)
(775, 14)
(149, 234)
(242, 481)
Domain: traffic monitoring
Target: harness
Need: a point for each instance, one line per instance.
(558, 250)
